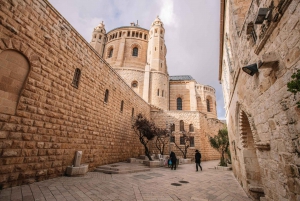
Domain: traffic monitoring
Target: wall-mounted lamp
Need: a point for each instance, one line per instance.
(250, 69)
(263, 14)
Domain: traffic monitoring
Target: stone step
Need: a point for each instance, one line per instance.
(121, 171)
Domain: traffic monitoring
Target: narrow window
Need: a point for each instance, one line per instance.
(122, 105)
(76, 78)
(100, 37)
(155, 30)
(132, 112)
(172, 127)
(141, 35)
(181, 125)
(179, 104)
(161, 47)
(172, 139)
(182, 141)
(128, 33)
(191, 128)
(208, 105)
(94, 36)
(192, 142)
(161, 65)
(136, 34)
(162, 93)
(135, 52)
(110, 37)
(132, 34)
(145, 36)
(106, 96)
(111, 51)
(157, 92)
(120, 33)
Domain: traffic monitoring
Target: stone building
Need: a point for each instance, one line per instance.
(60, 94)
(259, 51)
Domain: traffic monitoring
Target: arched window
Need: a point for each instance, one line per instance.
(191, 128)
(134, 84)
(135, 52)
(208, 105)
(145, 36)
(157, 92)
(132, 112)
(76, 78)
(106, 96)
(141, 35)
(122, 105)
(181, 125)
(179, 104)
(110, 52)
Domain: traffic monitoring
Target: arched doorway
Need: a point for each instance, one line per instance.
(251, 165)
(14, 69)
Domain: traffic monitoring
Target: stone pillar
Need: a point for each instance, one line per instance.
(77, 160)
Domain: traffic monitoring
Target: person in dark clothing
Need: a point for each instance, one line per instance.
(198, 160)
(173, 159)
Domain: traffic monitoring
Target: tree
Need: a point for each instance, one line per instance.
(294, 85)
(220, 142)
(145, 130)
(185, 138)
(161, 139)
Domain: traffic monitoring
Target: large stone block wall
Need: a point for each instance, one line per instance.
(179, 90)
(262, 114)
(203, 128)
(53, 119)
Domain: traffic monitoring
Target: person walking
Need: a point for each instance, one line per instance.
(198, 160)
(173, 159)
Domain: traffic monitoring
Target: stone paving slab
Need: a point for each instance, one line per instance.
(156, 184)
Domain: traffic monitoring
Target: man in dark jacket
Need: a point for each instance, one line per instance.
(173, 159)
(198, 160)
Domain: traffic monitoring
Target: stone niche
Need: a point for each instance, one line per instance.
(77, 169)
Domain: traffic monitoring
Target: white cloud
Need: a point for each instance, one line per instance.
(167, 12)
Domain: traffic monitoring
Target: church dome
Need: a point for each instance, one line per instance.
(100, 27)
(157, 22)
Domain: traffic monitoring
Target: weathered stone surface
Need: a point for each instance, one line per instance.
(259, 108)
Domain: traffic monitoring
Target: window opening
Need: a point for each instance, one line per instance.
(157, 92)
(192, 142)
(208, 105)
(76, 78)
(191, 128)
(141, 35)
(162, 93)
(122, 105)
(128, 33)
(135, 51)
(172, 139)
(106, 96)
(145, 36)
(181, 123)
(132, 112)
(182, 141)
(179, 104)
(110, 53)
(134, 84)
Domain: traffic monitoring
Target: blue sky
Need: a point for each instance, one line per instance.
(192, 31)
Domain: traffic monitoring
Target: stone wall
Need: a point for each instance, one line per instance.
(263, 119)
(55, 116)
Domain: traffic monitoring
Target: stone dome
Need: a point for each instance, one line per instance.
(157, 21)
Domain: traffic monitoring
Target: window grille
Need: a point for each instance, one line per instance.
(76, 78)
